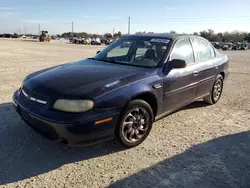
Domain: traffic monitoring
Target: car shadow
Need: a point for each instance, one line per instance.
(196, 104)
(25, 153)
(221, 162)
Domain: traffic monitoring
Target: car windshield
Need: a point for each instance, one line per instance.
(135, 51)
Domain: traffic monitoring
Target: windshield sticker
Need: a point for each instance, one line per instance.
(165, 41)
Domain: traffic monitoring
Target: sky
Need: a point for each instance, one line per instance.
(99, 16)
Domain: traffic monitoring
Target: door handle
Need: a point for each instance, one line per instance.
(195, 73)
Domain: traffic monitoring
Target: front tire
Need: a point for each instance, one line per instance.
(134, 124)
(216, 92)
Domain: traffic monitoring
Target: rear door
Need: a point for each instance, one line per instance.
(180, 84)
(206, 67)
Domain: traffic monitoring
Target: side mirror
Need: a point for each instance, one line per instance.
(177, 64)
(97, 52)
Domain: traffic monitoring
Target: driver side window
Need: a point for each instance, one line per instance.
(183, 50)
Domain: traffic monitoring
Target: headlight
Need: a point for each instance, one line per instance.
(73, 105)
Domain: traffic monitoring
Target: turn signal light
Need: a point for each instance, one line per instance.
(103, 120)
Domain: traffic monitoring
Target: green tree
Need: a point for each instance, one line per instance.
(247, 37)
(118, 35)
(108, 36)
(173, 32)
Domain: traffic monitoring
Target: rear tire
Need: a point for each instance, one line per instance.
(216, 91)
(135, 124)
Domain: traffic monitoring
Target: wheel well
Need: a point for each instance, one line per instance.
(222, 74)
(150, 99)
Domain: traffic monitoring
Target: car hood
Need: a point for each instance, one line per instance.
(87, 78)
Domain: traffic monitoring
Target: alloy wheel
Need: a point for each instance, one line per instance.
(217, 89)
(135, 125)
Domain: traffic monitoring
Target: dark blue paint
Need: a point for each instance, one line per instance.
(90, 79)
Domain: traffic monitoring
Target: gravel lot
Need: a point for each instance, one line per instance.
(198, 146)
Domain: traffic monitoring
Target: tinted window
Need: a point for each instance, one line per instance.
(203, 49)
(183, 50)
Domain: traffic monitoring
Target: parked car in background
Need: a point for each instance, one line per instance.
(96, 41)
(71, 39)
(103, 41)
(122, 91)
(244, 45)
(35, 37)
(108, 41)
(227, 46)
(83, 41)
(77, 40)
(15, 35)
(221, 44)
(6, 35)
(88, 41)
(236, 46)
(54, 37)
(216, 45)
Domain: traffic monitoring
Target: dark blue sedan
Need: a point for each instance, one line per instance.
(123, 90)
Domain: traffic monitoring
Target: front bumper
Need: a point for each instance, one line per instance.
(70, 132)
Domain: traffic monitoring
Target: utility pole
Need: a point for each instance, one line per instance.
(39, 29)
(72, 29)
(129, 25)
(19, 31)
(25, 30)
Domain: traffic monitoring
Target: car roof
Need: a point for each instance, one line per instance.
(165, 35)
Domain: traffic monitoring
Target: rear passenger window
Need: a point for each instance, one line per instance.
(203, 49)
(183, 50)
(212, 50)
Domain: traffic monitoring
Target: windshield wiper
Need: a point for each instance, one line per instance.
(105, 60)
(109, 61)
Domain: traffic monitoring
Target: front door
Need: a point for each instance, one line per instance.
(180, 84)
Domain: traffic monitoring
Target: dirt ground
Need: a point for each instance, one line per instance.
(198, 146)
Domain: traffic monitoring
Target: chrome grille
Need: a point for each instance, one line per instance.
(33, 98)
(30, 98)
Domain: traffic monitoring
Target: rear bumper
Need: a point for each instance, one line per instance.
(72, 134)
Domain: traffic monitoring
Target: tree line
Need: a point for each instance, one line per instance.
(234, 36)
(89, 35)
